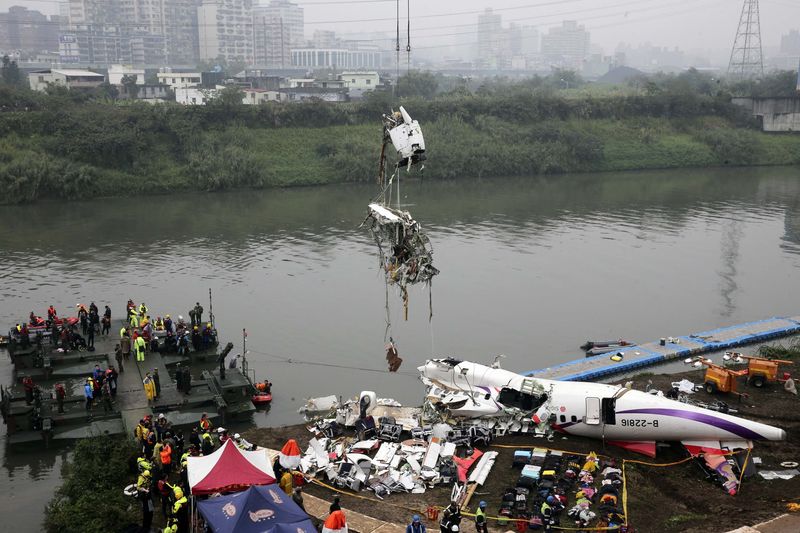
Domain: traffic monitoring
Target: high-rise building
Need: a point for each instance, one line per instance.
(277, 28)
(790, 43)
(225, 30)
(140, 32)
(28, 32)
(490, 39)
(566, 45)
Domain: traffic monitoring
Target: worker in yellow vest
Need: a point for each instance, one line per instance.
(141, 347)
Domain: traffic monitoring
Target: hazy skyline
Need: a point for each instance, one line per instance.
(706, 25)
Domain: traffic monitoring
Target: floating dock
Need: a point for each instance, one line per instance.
(643, 355)
(222, 398)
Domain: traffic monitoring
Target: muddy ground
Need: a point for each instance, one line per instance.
(674, 499)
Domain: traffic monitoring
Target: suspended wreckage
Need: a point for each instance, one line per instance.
(406, 254)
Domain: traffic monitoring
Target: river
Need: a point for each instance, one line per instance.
(530, 268)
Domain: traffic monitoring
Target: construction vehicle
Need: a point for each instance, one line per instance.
(721, 379)
(761, 371)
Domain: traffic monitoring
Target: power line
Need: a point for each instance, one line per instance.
(291, 360)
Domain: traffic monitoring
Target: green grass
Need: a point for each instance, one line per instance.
(237, 156)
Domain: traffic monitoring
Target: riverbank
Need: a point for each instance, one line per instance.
(660, 499)
(59, 148)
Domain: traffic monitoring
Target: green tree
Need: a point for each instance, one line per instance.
(129, 83)
(91, 498)
(228, 97)
(417, 83)
(10, 72)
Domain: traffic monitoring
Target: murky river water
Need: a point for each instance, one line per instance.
(530, 269)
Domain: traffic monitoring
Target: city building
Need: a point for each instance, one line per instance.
(117, 72)
(278, 27)
(225, 30)
(790, 43)
(261, 96)
(566, 46)
(337, 58)
(145, 93)
(358, 83)
(139, 32)
(195, 95)
(39, 80)
(490, 40)
(179, 80)
(28, 32)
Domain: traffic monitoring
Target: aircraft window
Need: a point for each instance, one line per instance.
(563, 418)
(487, 397)
(574, 418)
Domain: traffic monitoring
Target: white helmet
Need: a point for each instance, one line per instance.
(237, 436)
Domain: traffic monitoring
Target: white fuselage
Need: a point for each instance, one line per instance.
(578, 407)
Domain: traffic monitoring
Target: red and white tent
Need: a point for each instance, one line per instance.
(229, 469)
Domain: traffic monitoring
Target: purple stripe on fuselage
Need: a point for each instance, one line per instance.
(703, 418)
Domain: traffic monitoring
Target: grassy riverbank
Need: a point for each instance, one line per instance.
(59, 147)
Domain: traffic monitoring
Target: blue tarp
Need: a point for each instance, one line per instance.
(259, 509)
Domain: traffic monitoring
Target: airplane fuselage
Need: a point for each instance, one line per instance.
(604, 411)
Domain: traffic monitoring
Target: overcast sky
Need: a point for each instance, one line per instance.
(689, 24)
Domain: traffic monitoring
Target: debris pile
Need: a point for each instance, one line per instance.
(379, 459)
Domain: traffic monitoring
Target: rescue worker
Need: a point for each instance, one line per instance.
(105, 394)
(192, 317)
(286, 482)
(416, 526)
(141, 346)
(206, 443)
(164, 492)
(157, 382)
(90, 338)
(118, 355)
(159, 324)
(198, 313)
(142, 463)
(51, 314)
(149, 387)
(111, 377)
(180, 509)
(83, 315)
(166, 458)
(335, 504)
(140, 432)
(168, 324)
(205, 423)
(480, 518)
(222, 435)
(242, 443)
(163, 426)
(61, 394)
(265, 387)
(27, 383)
(88, 392)
(451, 519)
(134, 318)
(143, 490)
(142, 310)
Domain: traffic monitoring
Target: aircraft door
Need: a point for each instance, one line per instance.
(592, 417)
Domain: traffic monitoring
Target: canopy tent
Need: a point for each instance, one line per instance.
(229, 469)
(256, 510)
